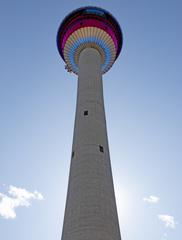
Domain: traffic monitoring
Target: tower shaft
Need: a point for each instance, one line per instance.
(90, 212)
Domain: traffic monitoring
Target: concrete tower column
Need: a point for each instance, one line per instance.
(89, 41)
(90, 212)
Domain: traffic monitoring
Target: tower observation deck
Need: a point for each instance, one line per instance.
(89, 40)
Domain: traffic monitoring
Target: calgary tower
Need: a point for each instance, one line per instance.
(89, 40)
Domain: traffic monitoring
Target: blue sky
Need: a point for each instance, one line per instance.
(143, 101)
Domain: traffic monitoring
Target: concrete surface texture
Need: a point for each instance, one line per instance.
(90, 212)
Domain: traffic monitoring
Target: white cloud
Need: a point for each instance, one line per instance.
(168, 220)
(17, 197)
(165, 235)
(151, 199)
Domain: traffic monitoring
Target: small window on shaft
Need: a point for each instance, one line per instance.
(101, 148)
(85, 113)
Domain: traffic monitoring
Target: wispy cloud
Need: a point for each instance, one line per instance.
(165, 235)
(168, 220)
(16, 197)
(151, 199)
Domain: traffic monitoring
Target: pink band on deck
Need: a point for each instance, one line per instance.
(90, 23)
